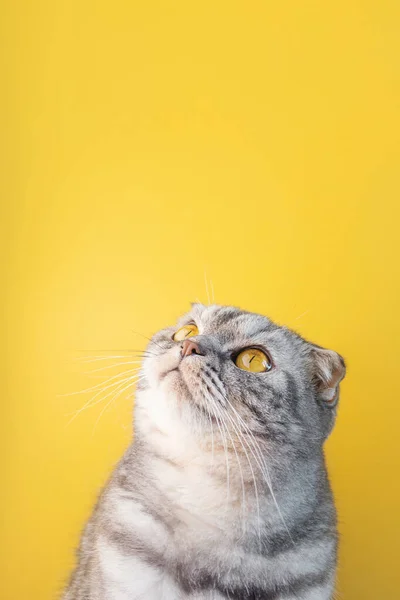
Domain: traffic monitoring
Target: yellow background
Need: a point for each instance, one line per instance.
(144, 143)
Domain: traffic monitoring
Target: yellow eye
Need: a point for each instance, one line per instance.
(185, 332)
(253, 360)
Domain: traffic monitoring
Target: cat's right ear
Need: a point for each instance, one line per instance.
(328, 371)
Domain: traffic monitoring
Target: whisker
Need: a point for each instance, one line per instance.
(96, 358)
(128, 353)
(212, 437)
(302, 315)
(207, 291)
(263, 467)
(147, 338)
(115, 396)
(238, 462)
(224, 443)
(115, 365)
(240, 437)
(90, 402)
(98, 385)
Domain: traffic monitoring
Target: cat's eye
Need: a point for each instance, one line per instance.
(253, 360)
(185, 332)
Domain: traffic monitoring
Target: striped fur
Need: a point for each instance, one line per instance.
(224, 492)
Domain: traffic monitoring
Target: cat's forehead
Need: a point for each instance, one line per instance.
(230, 320)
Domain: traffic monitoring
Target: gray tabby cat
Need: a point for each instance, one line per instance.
(224, 492)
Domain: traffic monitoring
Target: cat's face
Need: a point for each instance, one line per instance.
(238, 368)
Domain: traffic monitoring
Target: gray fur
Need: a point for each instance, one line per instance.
(224, 492)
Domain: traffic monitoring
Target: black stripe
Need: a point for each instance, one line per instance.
(292, 394)
(309, 531)
(215, 380)
(130, 545)
(205, 412)
(294, 587)
(202, 580)
(260, 417)
(224, 316)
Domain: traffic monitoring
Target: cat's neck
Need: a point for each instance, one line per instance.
(216, 474)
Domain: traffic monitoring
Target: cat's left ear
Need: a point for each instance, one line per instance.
(328, 371)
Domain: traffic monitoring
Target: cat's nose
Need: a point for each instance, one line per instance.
(188, 347)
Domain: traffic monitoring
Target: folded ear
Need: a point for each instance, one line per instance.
(328, 371)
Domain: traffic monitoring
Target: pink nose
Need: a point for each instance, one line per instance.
(188, 347)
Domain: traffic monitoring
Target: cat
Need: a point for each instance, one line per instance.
(224, 490)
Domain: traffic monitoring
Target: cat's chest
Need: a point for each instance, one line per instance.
(161, 548)
(190, 520)
(150, 548)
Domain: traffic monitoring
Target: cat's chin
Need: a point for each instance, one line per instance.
(174, 383)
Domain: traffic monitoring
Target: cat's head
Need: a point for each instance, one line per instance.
(222, 368)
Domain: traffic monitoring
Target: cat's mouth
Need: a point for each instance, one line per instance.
(174, 363)
(190, 379)
(182, 375)
(187, 366)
